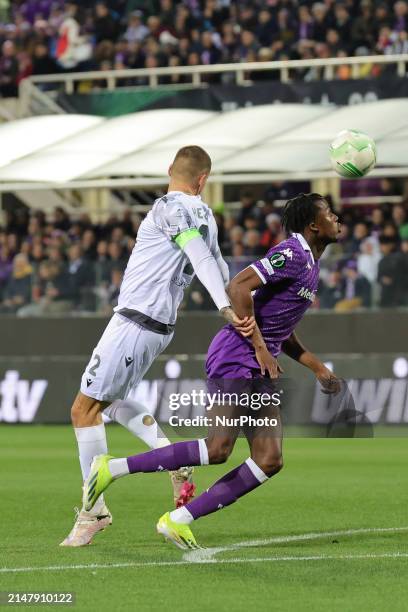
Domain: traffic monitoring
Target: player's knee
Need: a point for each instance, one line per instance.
(269, 464)
(85, 411)
(77, 413)
(219, 451)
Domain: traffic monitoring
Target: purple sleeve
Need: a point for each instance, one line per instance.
(282, 262)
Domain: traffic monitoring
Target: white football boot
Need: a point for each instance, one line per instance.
(86, 526)
(183, 485)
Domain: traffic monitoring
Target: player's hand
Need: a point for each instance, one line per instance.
(244, 326)
(267, 362)
(330, 383)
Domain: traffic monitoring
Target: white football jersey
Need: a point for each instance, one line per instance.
(158, 271)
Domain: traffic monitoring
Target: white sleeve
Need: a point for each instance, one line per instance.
(207, 270)
(215, 250)
(172, 217)
(223, 266)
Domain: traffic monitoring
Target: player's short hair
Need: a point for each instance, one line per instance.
(191, 161)
(300, 211)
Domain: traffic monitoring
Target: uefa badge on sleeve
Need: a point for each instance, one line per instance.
(277, 260)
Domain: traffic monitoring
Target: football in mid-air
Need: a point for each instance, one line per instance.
(353, 154)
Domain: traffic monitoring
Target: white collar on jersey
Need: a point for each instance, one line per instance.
(190, 195)
(304, 244)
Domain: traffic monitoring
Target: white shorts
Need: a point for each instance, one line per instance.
(121, 358)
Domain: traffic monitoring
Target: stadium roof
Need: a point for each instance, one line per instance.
(252, 144)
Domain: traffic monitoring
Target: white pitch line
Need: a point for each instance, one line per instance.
(96, 566)
(206, 554)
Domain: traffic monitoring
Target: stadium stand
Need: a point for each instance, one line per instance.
(49, 36)
(57, 264)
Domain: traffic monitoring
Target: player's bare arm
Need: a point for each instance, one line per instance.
(297, 351)
(208, 272)
(240, 293)
(245, 325)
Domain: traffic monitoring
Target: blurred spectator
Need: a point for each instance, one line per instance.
(88, 244)
(390, 231)
(18, 288)
(105, 26)
(72, 48)
(377, 221)
(61, 220)
(247, 206)
(345, 290)
(9, 70)
(116, 261)
(390, 273)
(43, 62)
(80, 274)
(400, 22)
(399, 217)
(359, 234)
(346, 245)
(114, 287)
(368, 259)
(357, 289)
(331, 291)
(37, 254)
(51, 294)
(363, 28)
(252, 244)
(273, 233)
(236, 236)
(6, 267)
(136, 31)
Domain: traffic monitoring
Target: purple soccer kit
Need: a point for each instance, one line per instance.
(290, 277)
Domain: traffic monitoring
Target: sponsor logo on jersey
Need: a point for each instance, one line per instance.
(128, 361)
(277, 260)
(88, 382)
(306, 293)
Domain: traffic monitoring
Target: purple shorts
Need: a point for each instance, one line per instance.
(230, 355)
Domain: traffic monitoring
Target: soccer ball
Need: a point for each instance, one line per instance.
(353, 154)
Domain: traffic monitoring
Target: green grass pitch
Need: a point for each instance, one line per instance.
(327, 485)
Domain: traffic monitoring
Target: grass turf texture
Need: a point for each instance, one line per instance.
(326, 485)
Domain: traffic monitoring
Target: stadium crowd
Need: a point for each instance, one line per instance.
(55, 264)
(50, 36)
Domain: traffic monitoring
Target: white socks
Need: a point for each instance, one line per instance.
(91, 442)
(138, 421)
(181, 515)
(118, 467)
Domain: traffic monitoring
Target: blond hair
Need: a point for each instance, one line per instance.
(190, 163)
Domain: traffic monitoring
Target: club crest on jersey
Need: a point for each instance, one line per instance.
(277, 260)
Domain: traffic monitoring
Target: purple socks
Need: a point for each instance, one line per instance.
(170, 457)
(228, 489)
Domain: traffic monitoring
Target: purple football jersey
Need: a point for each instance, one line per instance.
(290, 277)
